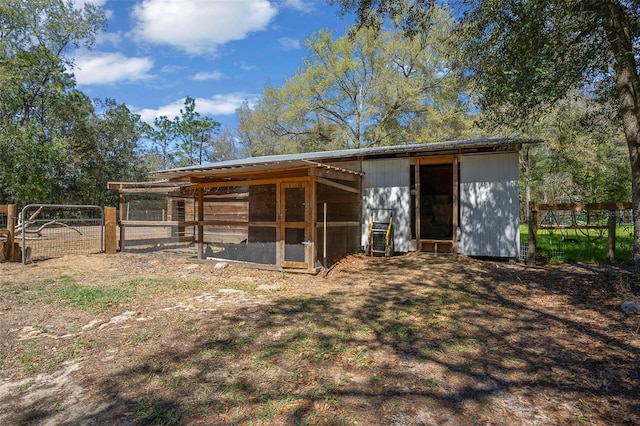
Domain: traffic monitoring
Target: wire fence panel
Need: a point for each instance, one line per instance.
(53, 230)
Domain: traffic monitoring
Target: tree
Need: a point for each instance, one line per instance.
(528, 54)
(195, 135)
(584, 157)
(36, 40)
(101, 145)
(360, 90)
(162, 135)
(224, 146)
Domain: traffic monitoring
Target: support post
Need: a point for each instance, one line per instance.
(611, 225)
(110, 240)
(533, 230)
(12, 251)
(324, 237)
(200, 225)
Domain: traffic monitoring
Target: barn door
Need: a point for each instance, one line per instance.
(296, 244)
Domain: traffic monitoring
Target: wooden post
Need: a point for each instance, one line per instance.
(200, 240)
(110, 240)
(611, 249)
(533, 229)
(456, 197)
(13, 249)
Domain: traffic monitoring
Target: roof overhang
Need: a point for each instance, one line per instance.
(291, 161)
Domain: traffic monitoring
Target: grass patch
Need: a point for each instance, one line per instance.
(155, 412)
(93, 299)
(579, 245)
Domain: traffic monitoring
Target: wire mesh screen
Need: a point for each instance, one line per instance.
(3, 220)
(568, 236)
(48, 231)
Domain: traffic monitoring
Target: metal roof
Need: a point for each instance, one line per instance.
(271, 162)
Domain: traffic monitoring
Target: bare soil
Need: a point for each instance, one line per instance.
(410, 340)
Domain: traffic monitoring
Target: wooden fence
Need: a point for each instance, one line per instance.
(9, 249)
(612, 208)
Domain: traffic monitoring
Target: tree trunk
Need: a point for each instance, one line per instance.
(619, 35)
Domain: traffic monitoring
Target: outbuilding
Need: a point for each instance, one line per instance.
(304, 211)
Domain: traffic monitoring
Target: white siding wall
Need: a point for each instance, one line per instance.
(489, 205)
(385, 185)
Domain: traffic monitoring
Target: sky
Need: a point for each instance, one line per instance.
(155, 53)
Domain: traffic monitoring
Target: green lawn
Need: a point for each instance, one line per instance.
(580, 245)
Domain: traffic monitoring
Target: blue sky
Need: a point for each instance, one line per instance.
(154, 53)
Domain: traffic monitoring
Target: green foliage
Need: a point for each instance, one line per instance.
(580, 245)
(48, 130)
(364, 89)
(187, 140)
(92, 299)
(195, 135)
(583, 159)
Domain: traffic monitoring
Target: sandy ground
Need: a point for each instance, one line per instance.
(415, 339)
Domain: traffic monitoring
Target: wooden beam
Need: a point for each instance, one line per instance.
(337, 185)
(200, 226)
(301, 171)
(247, 182)
(323, 172)
(151, 190)
(436, 159)
(533, 234)
(456, 198)
(581, 206)
(338, 224)
(571, 227)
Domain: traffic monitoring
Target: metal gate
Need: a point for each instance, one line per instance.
(54, 230)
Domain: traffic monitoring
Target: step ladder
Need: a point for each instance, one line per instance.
(381, 236)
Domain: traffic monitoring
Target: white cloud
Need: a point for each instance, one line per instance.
(199, 26)
(113, 39)
(303, 6)
(110, 68)
(214, 106)
(79, 4)
(245, 66)
(204, 76)
(288, 43)
(172, 69)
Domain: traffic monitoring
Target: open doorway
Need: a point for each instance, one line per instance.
(433, 205)
(436, 202)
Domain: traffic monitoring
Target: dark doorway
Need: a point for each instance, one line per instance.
(436, 202)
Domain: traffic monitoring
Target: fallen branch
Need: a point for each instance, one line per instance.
(20, 226)
(53, 223)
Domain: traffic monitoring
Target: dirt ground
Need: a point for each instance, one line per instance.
(134, 339)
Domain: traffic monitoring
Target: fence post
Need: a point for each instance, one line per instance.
(611, 249)
(110, 240)
(533, 229)
(122, 227)
(12, 250)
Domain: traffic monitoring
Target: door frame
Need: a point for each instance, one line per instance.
(306, 225)
(454, 161)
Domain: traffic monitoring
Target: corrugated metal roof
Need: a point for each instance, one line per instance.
(271, 162)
